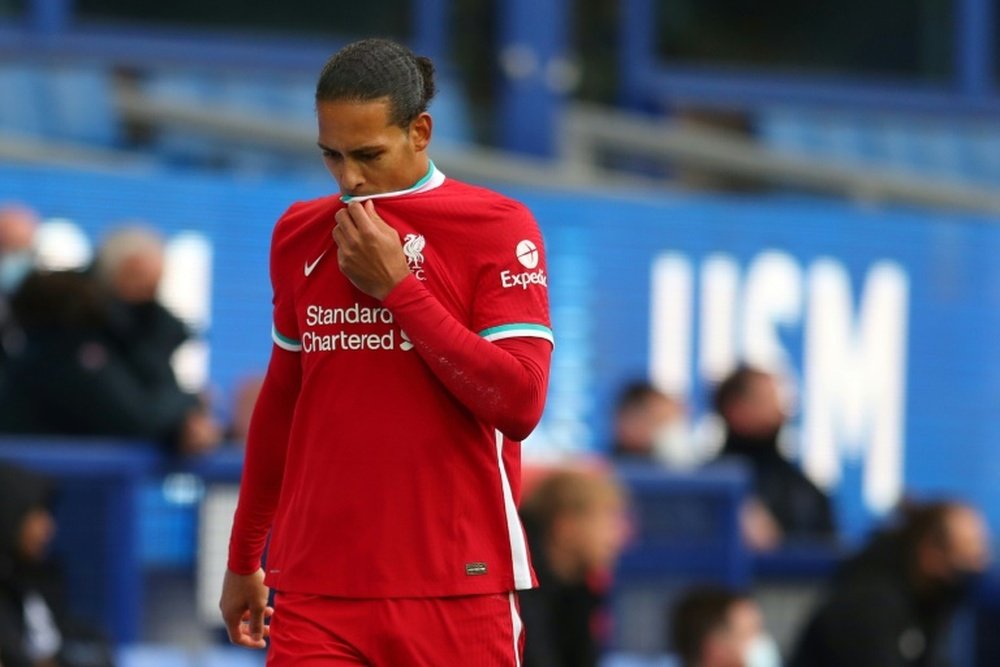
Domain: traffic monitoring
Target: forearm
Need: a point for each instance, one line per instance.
(502, 383)
(264, 464)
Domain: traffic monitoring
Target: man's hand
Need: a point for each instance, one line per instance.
(368, 250)
(244, 608)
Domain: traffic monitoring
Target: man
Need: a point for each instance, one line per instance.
(716, 627)
(35, 631)
(18, 225)
(411, 357)
(577, 527)
(890, 606)
(95, 360)
(649, 425)
(787, 505)
(146, 335)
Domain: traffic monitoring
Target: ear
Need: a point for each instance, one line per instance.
(420, 131)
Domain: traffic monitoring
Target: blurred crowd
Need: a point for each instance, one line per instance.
(88, 352)
(889, 603)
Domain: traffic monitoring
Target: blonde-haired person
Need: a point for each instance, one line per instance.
(577, 527)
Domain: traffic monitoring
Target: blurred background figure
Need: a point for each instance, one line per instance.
(18, 224)
(129, 265)
(718, 627)
(787, 505)
(97, 351)
(577, 527)
(649, 426)
(892, 604)
(244, 400)
(34, 628)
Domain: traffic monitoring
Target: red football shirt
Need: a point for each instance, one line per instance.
(391, 487)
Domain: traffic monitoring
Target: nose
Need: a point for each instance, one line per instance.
(350, 178)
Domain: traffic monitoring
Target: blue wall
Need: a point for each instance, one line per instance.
(602, 250)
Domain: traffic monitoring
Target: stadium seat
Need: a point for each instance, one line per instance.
(79, 105)
(22, 110)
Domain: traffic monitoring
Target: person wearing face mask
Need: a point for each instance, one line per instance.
(892, 604)
(786, 505)
(649, 426)
(717, 627)
(17, 258)
(97, 352)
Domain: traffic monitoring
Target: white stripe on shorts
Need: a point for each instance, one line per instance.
(518, 626)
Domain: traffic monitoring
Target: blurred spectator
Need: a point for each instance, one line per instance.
(787, 505)
(717, 627)
(17, 255)
(891, 605)
(649, 425)
(34, 631)
(97, 353)
(576, 526)
(130, 265)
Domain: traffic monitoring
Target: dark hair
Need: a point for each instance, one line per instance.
(635, 394)
(921, 522)
(373, 69)
(735, 386)
(700, 612)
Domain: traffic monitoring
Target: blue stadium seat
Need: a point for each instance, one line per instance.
(935, 147)
(79, 105)
(22, 110)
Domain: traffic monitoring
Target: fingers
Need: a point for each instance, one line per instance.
(234, 628)
(250, 630)
(346, 231)
(257, 623)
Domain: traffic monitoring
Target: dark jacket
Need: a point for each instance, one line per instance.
(799, 507)
(21, 579)
(875, 616)
(89, 366)
(562, 620)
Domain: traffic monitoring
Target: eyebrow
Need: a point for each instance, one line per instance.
(356, 151)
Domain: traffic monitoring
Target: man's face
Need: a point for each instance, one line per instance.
(604, 530)
(759, 412)
(37, 530)
(637, 427)
(729, 645)
(365, 152)
(967, 551)
(138, 277)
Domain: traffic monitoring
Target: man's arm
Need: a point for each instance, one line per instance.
(244, 596)
(503, 383)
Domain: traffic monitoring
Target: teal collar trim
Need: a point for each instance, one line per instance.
(432, 179)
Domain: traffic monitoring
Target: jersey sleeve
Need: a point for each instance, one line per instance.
(512, 293)
(284, 326)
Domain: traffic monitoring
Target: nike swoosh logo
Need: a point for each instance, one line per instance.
(310, 267)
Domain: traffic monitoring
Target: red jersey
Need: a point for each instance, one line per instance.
(391, 487)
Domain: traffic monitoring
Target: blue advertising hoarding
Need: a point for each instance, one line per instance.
(884, 322)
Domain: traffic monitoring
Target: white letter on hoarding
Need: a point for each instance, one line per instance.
(855, 378)
(670, 324)
(720, 283)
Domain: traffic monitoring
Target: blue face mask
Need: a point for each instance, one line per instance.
(762, 652)
(14, 267)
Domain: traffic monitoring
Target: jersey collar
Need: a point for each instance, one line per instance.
(432, 179)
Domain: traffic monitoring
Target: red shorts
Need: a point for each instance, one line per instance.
(473, 631)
